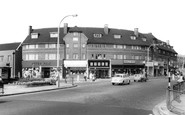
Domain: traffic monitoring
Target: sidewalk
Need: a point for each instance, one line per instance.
(161, 108)
(11, 89)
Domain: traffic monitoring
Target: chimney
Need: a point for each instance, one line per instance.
(106, 29)
(168, 42)
(136, 33)
(65, 28)
(30, 30)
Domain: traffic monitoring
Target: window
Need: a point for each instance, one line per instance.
(31, 46)
(34, 35)
(120, 56)
(67, 45)
(53, 34)
(144, 39)
(124, 46)
(9, 58)
(133, 37)
(83, 56)
(31, 56)
(1, 58)
(114, 56)
(67, 56)
(52, 56)
(75, 33)
(114, 46)
(97, 35)
(83, 45)
(52, 45)
(119, 46)
(75, 56)
(116, 36)
(75, 45)
(75, 39)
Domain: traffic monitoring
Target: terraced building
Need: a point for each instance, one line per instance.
(104, 51)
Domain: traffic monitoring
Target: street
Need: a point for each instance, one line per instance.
(99, 97)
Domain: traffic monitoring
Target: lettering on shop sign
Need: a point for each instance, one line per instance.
(129, 61)
(41, 63)
(98, 63)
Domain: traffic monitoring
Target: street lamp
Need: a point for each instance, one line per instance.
(148, 57)
(58, 46)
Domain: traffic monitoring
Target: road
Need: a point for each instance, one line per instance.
(92, 98)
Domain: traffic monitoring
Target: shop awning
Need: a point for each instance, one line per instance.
(75, 63)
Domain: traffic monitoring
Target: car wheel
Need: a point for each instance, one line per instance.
(113, 83)
(128, 81)
(134, 80)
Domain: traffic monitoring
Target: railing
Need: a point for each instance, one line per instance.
(173, 95)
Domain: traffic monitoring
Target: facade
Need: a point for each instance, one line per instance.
(103, 51)
(10, 61)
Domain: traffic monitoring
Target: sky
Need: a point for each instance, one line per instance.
(165, 19)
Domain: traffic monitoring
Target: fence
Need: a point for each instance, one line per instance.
(174, 94)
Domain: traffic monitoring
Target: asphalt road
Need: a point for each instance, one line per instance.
(94, 98)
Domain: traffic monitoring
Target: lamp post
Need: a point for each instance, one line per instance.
(58, 46)
(148, 57)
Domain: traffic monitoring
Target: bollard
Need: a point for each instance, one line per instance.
(72, 80)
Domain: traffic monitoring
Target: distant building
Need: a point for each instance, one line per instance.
(103, 51)
(10, 61)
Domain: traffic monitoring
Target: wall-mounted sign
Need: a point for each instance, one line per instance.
(98, 63)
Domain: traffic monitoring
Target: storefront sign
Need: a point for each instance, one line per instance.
(129, 61)
(98, 63)
(150, 64)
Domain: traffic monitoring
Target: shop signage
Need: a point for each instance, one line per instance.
(129, 61)
(149, 64)
(98, 63)
(41, 63)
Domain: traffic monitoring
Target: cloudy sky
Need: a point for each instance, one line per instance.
(165, 19)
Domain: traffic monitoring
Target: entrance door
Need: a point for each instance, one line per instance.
(46, 72)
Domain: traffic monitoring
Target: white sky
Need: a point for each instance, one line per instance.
(164, 18)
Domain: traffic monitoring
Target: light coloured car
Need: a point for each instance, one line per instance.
(120, 79)
(139, 78)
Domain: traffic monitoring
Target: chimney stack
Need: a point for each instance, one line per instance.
(168, 42)
(136, 32)
(30, 30)
(106, 29)
(65, 28)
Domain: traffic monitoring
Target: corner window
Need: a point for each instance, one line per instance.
(34, 35)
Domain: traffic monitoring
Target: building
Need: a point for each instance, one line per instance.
(103, 51)
(10, 61)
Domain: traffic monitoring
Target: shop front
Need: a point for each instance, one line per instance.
(100, 68)
(39, 69)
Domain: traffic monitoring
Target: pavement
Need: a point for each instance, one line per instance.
(13, 89)
(177, 109)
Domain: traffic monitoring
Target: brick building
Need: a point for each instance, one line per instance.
(10, 61)
(104, 51)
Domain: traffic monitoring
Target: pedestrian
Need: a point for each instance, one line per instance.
(85, 76)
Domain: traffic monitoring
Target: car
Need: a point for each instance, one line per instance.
(120, 79)
(140, 78)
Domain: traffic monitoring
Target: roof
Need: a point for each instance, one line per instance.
(44, 36)
(9, 46)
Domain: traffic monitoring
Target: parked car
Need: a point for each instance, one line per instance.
(120, 79)
(140, 78)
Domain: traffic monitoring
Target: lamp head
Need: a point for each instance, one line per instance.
(75, 15)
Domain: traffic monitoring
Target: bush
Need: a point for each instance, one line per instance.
(37, 83)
